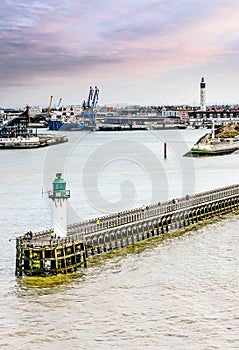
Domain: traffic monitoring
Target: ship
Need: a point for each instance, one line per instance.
(63, 121)
(69, 124)
(121, 127)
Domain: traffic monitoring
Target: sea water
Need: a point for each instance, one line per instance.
(178, 294)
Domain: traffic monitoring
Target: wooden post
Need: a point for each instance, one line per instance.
(56, 260)
(165, 150)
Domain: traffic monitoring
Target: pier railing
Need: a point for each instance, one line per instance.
(78, 231)
(41, 255)
(151, 210)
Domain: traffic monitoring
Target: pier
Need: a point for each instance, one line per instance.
(42, 256)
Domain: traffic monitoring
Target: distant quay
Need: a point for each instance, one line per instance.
(41, 140)
(15, 134)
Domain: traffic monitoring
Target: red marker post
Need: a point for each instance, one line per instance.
(165, 150)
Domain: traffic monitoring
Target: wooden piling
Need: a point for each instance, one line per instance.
(165, 150)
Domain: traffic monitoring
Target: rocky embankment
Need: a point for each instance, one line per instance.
(225, 141)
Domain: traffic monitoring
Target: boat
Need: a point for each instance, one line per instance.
(63, 121)
(121, 127)
(76, 126)
(109, 127)
(182, 126)
(68, 126)
(69, 123)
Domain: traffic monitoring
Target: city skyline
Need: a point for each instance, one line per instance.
(135, 52)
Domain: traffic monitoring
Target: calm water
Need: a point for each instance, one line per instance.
(180, 294)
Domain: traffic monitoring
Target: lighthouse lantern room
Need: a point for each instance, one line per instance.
(59, 195)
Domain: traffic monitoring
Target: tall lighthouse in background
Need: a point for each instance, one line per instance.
(203, 95)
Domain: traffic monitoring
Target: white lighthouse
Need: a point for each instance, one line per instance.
(59, 195)
(203, 95)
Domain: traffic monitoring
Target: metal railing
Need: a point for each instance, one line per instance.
(78, 231)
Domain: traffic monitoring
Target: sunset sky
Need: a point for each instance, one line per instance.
(136, 51)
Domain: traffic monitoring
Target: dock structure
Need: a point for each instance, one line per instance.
(16, 134)
(40, 255)
(41, 140)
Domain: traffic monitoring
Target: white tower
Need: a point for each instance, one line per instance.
(59, 195)
(203, 95)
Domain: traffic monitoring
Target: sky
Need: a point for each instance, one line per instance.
(144, 52)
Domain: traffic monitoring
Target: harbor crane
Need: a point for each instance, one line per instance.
(49, 107)
(95, 98)
(59, 103)
(89, 107)
(90, 96)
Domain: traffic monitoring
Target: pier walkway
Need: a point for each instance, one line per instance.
(88, 227)
(99, 235)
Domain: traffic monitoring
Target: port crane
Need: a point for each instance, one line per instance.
(90, 96)
(59, 103)
(95, 98)
(49, 107)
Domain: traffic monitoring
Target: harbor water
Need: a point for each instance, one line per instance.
(178, 294)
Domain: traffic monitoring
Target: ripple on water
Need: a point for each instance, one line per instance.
(177, 294)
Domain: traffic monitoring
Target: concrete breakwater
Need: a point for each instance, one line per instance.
(41, 140)
(38, 256)
(224, 140)
(208, 147)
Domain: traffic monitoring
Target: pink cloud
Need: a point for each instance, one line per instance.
(127, 38)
